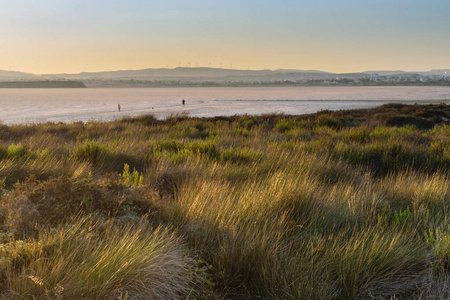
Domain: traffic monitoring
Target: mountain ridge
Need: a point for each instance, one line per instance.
(204, 74)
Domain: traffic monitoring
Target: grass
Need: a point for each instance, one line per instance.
(91, 260)
(334, 205)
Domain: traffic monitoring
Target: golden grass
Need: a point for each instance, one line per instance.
(91, 260)
(275, 206)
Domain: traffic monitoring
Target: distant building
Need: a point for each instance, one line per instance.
(374, 76)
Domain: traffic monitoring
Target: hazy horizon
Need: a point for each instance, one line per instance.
(53, 36)
(224, 68)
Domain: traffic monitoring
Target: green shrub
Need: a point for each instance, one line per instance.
(327, 121)
(404, 220)
(204, 148)
(247, 122)
(185, 131)
(359, 135)
(439, 242)
(131, 178)
(440, 148)
(283, 125)
(17, 151)
(240, 132)
(164, 145)
(240, 155)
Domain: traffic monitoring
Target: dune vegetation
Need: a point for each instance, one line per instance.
(334, 205)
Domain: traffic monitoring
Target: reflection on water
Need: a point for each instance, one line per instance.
(66, 105)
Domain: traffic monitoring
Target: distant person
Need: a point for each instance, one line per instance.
(118, 107)
(183, 102)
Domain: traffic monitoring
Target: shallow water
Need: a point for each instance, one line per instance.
(68, 105)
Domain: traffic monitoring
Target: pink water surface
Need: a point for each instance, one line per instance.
(68, 105)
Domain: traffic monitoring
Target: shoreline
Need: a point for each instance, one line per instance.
(22, 106)
(374, 114)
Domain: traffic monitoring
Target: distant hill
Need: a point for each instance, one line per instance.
(180, 76)
(164, 72)
(42, 84)
(204, 74)
(385, 73)
(300, 71)
(438, 72)
(15, 75)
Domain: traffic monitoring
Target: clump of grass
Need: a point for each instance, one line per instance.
(15, 171)
(91, 260)
(374, 264)
(420, 192)
(90, 151)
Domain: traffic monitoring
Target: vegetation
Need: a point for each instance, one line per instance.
(334, 205)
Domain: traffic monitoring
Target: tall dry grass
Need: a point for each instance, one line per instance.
(278, 207)
(90, 260)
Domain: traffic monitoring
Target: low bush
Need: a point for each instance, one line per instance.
(34, 204)
(407, 120)
(327, 121)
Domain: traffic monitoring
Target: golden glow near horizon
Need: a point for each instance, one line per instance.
(54, 36)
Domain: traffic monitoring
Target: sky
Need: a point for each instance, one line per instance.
(72, 36)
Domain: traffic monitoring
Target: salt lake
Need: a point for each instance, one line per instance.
(19, 106)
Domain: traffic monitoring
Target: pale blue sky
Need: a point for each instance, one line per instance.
(49, 36)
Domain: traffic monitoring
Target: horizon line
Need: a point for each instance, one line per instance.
(234, 69)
